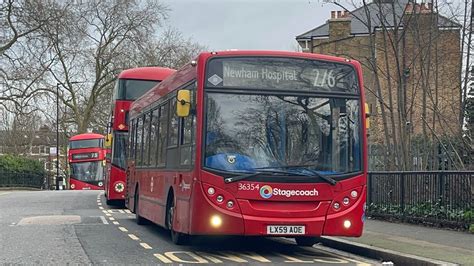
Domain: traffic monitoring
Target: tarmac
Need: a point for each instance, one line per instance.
(424, 245)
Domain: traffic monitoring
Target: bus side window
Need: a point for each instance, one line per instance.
(187, 129)
(174, 124)
(130, 143)
(162, 134)
(154, 132)
(146, 139)
(138, 142)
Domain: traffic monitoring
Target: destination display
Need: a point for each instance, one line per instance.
(281, 74)
(83, 156)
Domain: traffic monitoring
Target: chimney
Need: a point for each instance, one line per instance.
(339, 24)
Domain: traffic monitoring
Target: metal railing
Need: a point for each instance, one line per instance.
(26, 180)
(442, 198)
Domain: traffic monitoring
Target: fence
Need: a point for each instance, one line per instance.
(441, 198)
(29, 180)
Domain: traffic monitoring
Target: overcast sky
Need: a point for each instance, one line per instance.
(246, 24)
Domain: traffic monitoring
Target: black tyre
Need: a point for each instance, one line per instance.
(177, 237)
(306, 241)
(139, 219)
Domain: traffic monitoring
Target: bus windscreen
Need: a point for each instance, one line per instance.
(86, 143)
(132, 89)
(276, 73)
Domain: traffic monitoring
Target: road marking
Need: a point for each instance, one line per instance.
(99, 203)
(112, 218)
(196, 258)
(108, 214)
(104, 211)
(134, 237)
(4, 193)
(103, 220)
(111, 211)
(145, 246)
(162, 258)
(115, 222)
(128, 211)
(123, 229)
(101, 208)
(121, 211)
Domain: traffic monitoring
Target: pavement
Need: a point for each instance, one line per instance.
(439, 244)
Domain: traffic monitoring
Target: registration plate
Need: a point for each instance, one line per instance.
(285, 229)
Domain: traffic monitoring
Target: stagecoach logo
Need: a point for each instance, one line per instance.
(100, 184)
(215, 80)
(231, 159)
(267, 192)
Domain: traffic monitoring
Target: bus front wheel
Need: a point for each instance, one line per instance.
(177, 237)
(306, 241)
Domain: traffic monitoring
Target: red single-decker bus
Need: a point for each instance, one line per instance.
(86, 158)
(254, 143)
(130, 85)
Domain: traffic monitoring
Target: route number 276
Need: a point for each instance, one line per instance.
(324, 78)
(248, 186)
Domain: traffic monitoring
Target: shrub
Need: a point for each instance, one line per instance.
(18, 164)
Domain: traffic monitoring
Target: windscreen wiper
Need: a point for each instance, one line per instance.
(314, 172)
(249, 175)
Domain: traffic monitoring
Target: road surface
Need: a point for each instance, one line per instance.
(77, 227)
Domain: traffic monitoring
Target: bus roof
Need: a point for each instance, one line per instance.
(146, 73)
(86, 136)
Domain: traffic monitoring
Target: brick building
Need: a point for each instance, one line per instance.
(411, 58)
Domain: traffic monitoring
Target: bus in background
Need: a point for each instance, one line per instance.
(130, 85)
(255, 143)
(86, 158)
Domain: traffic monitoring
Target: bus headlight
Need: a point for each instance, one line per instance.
(119, 187)
(216, 221)
(347, 224)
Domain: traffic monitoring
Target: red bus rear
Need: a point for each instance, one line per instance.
(130, 85)
(86, 158)
(255, 143)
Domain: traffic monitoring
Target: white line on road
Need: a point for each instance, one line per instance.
(104, 211)
(115, 222)
(128, 211)
(112, 218)
(123, 229)
(101, 208)
(108, 214)
(104, 221)
(99, 203)
(145, 246)
(162, 258)
(121, 211)
(111, 211)
(4, 193)
(134, 237)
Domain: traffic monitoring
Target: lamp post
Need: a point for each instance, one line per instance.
(57, 135)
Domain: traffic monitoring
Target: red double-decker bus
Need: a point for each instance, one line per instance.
(131, 84)
(86, 158)
(255, 143)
